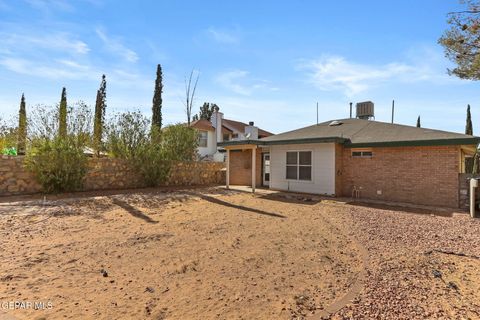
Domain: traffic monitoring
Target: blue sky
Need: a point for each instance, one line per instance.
(262, 61)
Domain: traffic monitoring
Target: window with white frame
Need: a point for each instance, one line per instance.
(299, 165)
(203, 139)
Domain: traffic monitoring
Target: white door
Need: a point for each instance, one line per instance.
(266, 169)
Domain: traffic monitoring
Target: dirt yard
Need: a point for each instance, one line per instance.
(213, 254)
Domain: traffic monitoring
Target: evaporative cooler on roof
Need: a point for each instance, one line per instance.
(365, 110)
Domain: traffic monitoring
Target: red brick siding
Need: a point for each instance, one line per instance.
(241, 167)
(420, 175)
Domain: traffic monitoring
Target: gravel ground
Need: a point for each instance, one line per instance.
(421, 265)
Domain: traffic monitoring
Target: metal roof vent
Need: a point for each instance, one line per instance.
(365, 110)
(335, 123)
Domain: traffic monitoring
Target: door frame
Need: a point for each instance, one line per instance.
(266, 183)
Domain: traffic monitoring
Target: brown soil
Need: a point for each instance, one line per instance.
(194, 254)
(212, 254)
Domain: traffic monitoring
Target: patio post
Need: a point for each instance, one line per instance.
(227, 180)
(254, 167)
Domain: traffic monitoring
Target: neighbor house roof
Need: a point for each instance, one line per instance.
(202, 124)
(367, 133)
(240, 127)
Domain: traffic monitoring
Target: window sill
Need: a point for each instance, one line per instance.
(299, 181)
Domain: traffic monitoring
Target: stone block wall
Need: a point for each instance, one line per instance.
(110, 173)
(14, 178)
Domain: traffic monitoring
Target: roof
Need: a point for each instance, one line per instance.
(240, 127)
(367, 133)
(202, 124)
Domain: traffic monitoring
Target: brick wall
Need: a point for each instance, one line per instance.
(241, 167)
(108, 173)
(420, 175)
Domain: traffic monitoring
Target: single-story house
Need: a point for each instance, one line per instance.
(356, 157)
(218, 129)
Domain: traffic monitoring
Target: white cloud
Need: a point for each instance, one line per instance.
(54, 41)
(114, 45)
(64, 70)
(238, 81)
(336, 73)
(223, 36)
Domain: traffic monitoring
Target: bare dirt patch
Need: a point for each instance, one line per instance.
(184, 255)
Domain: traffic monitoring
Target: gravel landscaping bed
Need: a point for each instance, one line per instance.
(421, 265)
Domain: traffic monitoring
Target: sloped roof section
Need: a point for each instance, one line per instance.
(367, 133)
(240, 127)
(202, 124)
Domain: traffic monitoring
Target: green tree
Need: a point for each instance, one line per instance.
(468, 126)
(100, 106)
(206, 111)
(179, 143)
(22, 127)
(62, 115)
(418, 122)
(58, 164)
(157, 101)
(461, 41)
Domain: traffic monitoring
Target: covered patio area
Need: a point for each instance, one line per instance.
(245, 164)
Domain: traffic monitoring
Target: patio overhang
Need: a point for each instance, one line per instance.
(244, 145)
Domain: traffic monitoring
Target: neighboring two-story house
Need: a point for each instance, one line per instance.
(220, 130)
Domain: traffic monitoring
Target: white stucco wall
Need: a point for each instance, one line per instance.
(323, 168)
(211, 145)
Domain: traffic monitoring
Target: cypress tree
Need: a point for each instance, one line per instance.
(62, 115)
(469, 126)
(22, 127)
(100, 106)
(418, 122)
(157, 100)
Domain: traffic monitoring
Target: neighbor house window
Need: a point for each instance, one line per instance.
(203, 139)
(299, 165)
(362, 153)
(226, 137)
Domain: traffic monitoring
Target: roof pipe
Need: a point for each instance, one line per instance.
(393, 109)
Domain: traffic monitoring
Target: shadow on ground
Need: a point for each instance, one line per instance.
(133, 211)
(292, 198)
(236, 206)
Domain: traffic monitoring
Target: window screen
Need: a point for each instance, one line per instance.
(299, 165)
(203, 139)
